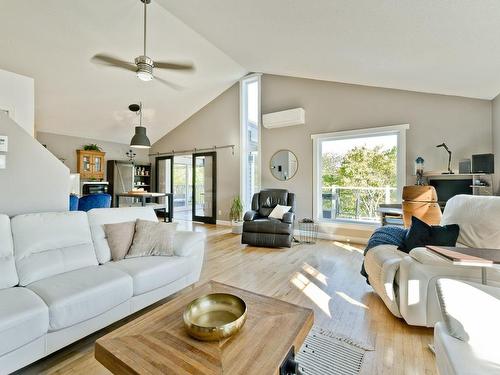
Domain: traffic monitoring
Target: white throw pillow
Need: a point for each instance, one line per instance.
(279, 211)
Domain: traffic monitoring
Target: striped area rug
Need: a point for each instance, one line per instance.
(325, 353)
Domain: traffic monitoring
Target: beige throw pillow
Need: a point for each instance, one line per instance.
(119, 236)
(152, 238)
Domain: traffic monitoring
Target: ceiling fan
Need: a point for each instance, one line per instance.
(143, 65)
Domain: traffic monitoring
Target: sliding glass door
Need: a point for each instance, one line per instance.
(183, 194)
(164, 178)
(204, 187)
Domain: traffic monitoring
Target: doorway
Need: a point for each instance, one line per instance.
(193, 180)
(183, 188)
(205, 187)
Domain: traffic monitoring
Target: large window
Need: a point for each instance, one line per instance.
(355, 171)
(250, 138)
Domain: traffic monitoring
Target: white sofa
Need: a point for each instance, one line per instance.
(467, 340)
(407, 282)
(58, 283)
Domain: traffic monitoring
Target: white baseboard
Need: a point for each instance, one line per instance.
(321, 235)
(341, 238)
(337, 237)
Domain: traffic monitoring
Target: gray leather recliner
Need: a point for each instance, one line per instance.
(261, 230)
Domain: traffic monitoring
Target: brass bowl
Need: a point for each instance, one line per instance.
(215, 316)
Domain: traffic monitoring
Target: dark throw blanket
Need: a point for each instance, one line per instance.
(389, 235)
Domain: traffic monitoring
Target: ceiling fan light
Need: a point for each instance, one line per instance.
(140, 139)
(144, 68)
(144, 75)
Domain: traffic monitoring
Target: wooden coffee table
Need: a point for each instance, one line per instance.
(157, 342)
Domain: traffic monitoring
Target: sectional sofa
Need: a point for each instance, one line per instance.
(58, 283)
(407, 282)
(466, 340)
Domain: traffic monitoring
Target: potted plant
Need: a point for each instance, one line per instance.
(236, 215)
(92, 147)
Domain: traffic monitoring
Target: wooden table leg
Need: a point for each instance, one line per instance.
(484, 276)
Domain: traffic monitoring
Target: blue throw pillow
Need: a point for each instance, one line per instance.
(422, 234)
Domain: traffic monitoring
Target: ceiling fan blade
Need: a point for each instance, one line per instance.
(113, 61)
(169, 84)
(173, 66)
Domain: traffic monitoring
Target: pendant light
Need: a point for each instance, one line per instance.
(140, 139)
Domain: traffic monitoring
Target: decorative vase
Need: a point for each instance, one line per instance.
(419, 171)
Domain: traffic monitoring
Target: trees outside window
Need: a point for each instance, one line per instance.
(357, 173)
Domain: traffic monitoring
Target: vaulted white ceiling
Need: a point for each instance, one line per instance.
(53, 41)
(436, 46)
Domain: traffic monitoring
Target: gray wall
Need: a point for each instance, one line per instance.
(34, 180)
(495, 121)
(464, 124)
(217, 124)
(63, 146)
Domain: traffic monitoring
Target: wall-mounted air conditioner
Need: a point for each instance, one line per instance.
(291, 117)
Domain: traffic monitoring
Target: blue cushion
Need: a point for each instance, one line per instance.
(73, 202)
(422, 234)
(88, 202)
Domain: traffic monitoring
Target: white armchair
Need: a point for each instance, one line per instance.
(467, 339)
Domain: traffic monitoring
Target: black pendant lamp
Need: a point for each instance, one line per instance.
(140, 139)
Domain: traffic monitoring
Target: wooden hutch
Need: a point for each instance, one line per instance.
(90, 164)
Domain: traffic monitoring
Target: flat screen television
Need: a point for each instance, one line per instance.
(448, 188)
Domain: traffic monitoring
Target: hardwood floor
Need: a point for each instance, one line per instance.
(324, 276)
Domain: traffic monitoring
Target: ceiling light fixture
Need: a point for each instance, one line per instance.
(144, 68)
(140, 139)
(143, 65)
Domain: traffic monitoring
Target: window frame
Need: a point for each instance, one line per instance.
(399, 130)
(255, 77)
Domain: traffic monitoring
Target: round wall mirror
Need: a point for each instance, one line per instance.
(284, 165)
